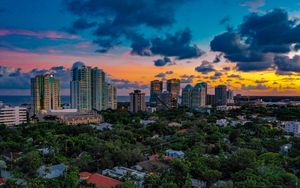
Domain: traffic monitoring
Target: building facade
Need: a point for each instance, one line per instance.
(198, 96)
(13, 115)
(173, 87)
(81, 88)
(45, 93)
(98, 89)
(111, 97)
(156, 87)
(186, 100)
(137, 101)
(221, 95)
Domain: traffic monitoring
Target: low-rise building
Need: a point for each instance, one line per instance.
(174, 153)
(98, 180)
(222, 122)
(13, 115)
(51, 171)
(292, 127)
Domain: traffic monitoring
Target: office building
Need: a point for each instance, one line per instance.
(210, 100)
(163, 101)
(12, 115)
(194, 97)
(156, 87)
(81, 88)
(98, 89)
(186, 100)
(199, 96)
(221, 95)
(45, 93)
(292, 127)
(110, 97)
(230, 99)
(137, 101)
(173, 87)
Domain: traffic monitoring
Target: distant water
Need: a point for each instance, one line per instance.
(18, 100)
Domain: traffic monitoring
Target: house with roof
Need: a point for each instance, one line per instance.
(174, 153)
(51, 172)
(98, 180)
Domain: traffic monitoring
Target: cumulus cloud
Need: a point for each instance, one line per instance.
(162, 62)
(205, 67)
(15, 78)
(254, 44)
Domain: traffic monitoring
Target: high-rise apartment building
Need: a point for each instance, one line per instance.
(156, 87)
(81, 88)
(45, 92)
(199, 96)
(110, 97)
(194, 97)
(89, 91)
(221, 95)
(98, 89)
(137, 101)
(173, 87)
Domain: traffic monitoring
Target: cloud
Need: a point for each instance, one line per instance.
(162, 62)
(226, 68)
(254, 44)
(234, 76)
(261, 81)
(160, 75)
(15, 78)
(169, 72)
(224, 20)
(126, 84)
(205, 67)
(177, 45)
(120, 22)
(216, 76)
(38, 34)
(255, 87)
(253, 4)
(286, 64)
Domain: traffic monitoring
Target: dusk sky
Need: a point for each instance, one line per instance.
(249, 45)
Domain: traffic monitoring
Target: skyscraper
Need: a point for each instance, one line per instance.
(110, 97)
(221, 95)
(230, 98)
(194, 97)
(137, 101)
(81, 88)
(206, 94)
(156, 87)
(173, 87)
(89, 91)
(45, 92)
(98, 89)
(186, 100)
(199, 96)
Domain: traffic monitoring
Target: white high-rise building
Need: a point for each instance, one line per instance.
(13, 115)
(292, 127)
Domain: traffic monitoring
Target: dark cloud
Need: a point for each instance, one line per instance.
(226, 68)
(234, 76)
(119, 22)
(15, 78)
(261, 81)
(286, 64)
(177, 45)
(216, 76)
(169, 72)
(160, 75)
(258, 39)
(217, 58)
(162, 62)
(205, 67)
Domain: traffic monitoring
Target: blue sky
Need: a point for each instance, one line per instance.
(153, 36)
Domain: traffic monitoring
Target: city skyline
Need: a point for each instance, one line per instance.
(146, 47)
